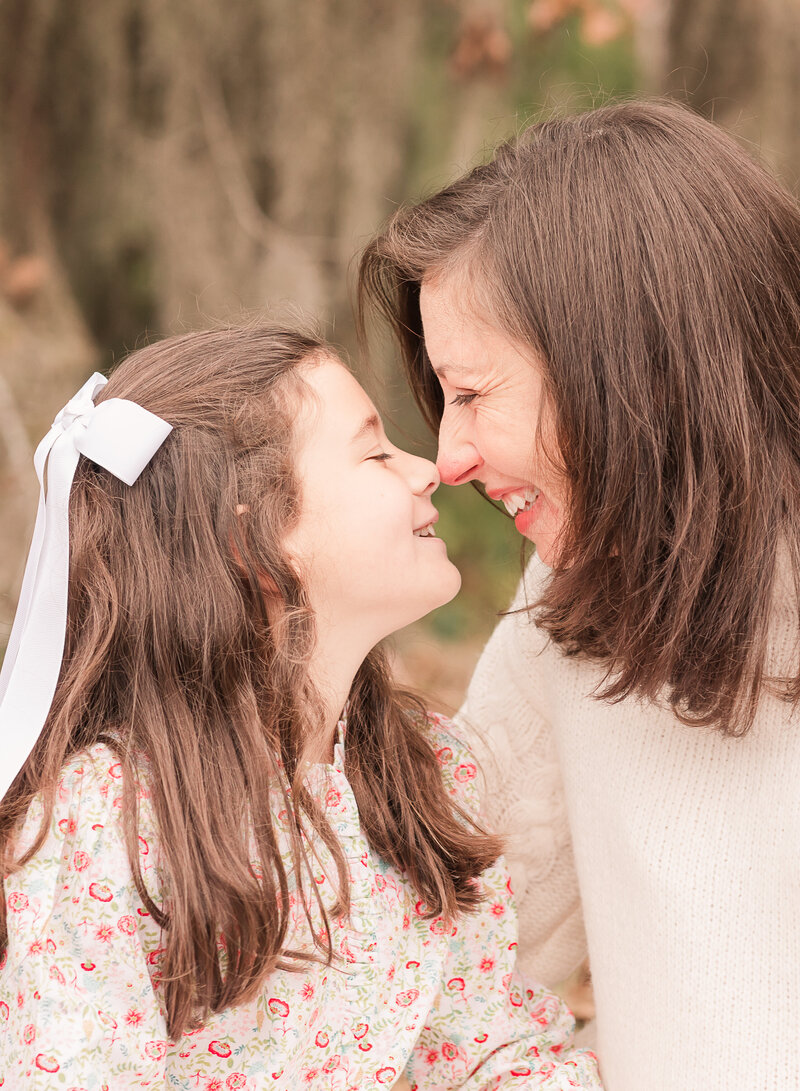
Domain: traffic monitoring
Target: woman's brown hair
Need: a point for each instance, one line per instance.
(174, 660)
(653, 269)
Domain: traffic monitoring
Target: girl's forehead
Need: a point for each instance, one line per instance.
(334, 407)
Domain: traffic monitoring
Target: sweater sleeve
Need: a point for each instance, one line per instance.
(504, 718)
(489, 1028)
(76, 992)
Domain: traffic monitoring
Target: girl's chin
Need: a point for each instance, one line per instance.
(446, 590)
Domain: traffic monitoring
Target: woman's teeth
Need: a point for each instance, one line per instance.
(516, 502)
(426, 532)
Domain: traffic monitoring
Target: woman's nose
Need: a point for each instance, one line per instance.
(458, 460)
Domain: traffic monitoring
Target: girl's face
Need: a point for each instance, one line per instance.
(363, 544)
(493, 404)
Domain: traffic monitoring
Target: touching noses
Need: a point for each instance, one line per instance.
(423, 477)
(458, 460)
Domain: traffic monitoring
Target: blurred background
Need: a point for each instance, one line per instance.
(167, 165)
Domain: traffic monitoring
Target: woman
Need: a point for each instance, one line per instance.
(603, 324)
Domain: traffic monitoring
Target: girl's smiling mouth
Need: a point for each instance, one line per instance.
(427, 530)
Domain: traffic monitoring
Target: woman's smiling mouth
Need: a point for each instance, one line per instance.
(520, 501)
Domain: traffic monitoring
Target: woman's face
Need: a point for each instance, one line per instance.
(364, 543)
(493, 399)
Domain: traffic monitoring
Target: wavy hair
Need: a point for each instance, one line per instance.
(653, 269)
(173, 660)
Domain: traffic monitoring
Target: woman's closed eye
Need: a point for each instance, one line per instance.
(463, 399)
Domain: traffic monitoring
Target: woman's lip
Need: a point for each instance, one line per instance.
(524, 519)
(501, 494)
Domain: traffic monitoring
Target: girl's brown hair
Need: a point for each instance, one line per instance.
(654, 271)
(174, 661)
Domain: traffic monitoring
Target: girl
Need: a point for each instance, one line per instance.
(603, 324)
(213, 877)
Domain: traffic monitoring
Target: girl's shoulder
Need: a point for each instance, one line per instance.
(87, 800)
(456, 759)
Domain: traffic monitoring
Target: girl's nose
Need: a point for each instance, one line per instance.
(427, 476)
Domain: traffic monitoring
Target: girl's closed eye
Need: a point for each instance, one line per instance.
(384, 456)
(464, 399)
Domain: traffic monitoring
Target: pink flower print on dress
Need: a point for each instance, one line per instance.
(440, 927)
(458, 986)
(46, 1063)
(17, 902)
(465, 772)
(387, 1074)
(220, 1049)
(80, 860)
(100, 892)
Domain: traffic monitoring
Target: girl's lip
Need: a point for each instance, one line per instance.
(433, 519)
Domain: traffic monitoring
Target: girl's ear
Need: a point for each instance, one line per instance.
(268, 586)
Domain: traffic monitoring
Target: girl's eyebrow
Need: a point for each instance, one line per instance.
(370, 424)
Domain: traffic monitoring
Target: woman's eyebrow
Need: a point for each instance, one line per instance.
(444, 370)
(370, 424)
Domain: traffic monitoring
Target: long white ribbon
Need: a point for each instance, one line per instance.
(121, 437)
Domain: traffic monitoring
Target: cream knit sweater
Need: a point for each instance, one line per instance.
(678, 848)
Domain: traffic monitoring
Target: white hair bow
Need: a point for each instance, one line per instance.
(120, 436)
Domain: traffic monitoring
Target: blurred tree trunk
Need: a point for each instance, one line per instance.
(171, 164)
(737, 62)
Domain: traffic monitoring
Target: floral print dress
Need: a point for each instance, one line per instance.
(79, 985)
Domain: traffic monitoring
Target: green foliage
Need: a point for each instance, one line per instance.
(559, 70)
